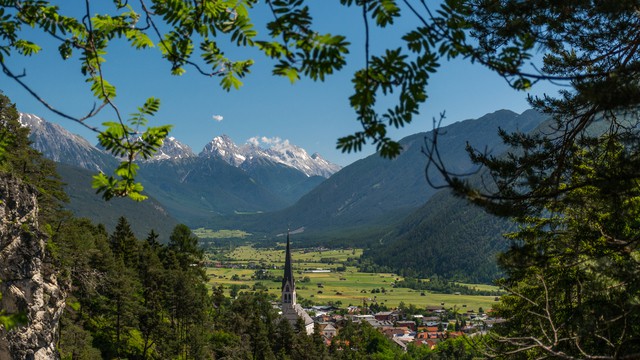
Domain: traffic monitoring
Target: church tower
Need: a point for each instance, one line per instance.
(291, 310)
(288, 283)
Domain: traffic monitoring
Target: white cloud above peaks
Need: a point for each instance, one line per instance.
(270, 141)
(264, 141)
(255, 141)
(218, 118)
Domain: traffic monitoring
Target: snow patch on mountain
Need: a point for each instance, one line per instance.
(173, 149)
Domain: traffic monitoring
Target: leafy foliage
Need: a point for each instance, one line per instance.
(122, 141)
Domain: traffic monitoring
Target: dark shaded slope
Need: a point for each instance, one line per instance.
(447, 237)
(196, 189)
(284, 181)
(84, 202)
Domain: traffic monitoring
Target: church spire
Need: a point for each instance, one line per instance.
(288, 283)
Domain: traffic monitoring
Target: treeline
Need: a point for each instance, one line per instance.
(439, 285)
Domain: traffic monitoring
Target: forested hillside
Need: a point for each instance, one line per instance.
(448, 238)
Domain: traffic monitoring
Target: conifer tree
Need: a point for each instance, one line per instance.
(124, 244)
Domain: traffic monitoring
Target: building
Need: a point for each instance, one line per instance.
(291, 310)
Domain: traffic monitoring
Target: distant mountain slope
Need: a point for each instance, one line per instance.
(447, 237)
(195, 189)
(59, 145)
(286, 182)
(376, 191)
(84, 202)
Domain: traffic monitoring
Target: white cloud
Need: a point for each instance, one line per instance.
(218, 118)
(255, 141)
(270, 141)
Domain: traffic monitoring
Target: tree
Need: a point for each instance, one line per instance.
(185, 245)
(152, 275)
(124, 244)
(20, 160)
(572, 185)
(571, 280)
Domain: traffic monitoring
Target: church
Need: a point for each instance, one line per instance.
(291, 310)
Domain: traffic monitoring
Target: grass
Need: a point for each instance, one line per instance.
(349, 287)
(302, 258)
(204, 233)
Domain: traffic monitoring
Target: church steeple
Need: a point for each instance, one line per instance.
(291, 310)
(288, 283)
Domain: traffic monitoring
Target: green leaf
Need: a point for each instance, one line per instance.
(139, 39)
(101, 88)
(26, 47)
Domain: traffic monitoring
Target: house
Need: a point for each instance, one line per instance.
(407, 323)
(431, 343)
(434, 309)
(329, 331)
(386, 316)
(400, 343)
(392, 332)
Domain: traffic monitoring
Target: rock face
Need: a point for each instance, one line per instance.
(29, 283)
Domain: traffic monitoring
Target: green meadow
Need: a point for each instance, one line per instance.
(204, 233)
(348, 287)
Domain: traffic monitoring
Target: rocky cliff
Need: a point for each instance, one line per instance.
(29, 281)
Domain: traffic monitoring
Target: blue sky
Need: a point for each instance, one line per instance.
(309, 114)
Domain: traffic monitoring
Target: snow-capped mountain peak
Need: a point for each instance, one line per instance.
(277, 150)
(224, 148)
(173, 149)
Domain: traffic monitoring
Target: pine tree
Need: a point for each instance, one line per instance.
(124, 244)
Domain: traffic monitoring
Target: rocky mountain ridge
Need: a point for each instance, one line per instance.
(60, 145)
(281, 152)
(186, 186)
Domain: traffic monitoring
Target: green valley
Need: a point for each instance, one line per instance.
(330, 277)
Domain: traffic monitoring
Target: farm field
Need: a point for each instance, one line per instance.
(343, 288)
(312, 257)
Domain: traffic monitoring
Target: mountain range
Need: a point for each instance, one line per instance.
(186, 186)
(375, 192)
(383, 205)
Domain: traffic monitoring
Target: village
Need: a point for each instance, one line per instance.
(402, 325)
(428, 329)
